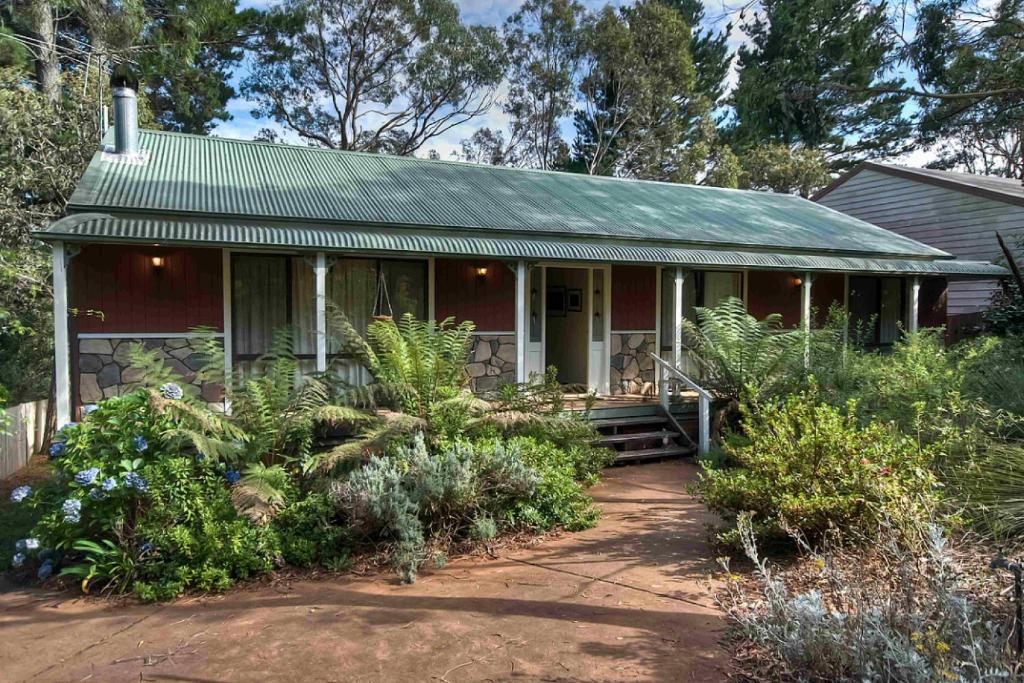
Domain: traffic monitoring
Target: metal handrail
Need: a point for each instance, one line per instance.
(703, 400)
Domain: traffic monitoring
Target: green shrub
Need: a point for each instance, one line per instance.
(809, 466)
(992, 370)
(991, 488)
(559, 499)
(310, 532)
(133, 504)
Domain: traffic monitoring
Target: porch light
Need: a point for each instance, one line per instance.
(157, 261)
(481, 271)
(797, 281)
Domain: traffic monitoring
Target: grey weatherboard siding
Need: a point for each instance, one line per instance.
(957, 221)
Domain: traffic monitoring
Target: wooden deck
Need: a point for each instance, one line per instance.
(579, 401)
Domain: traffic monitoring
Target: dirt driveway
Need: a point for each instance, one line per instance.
(622, 602)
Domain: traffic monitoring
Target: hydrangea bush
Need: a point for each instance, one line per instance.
(130, 505)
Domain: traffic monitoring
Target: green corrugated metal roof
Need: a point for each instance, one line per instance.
(102, 227)
(195, 175)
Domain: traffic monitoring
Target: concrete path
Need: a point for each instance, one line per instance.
(626, 601)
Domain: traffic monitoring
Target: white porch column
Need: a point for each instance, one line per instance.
(522, 329)
(228, 326)
(913, 303)
(677, 316)
(805, 315)
(320, 272)
(61, 343)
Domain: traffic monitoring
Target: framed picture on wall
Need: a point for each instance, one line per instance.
(574, 300)
(556, 301)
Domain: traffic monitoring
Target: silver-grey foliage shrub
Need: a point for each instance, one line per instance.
(907, 616)
(412, 496)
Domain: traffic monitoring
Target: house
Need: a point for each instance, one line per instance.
(175, 236)
(956, 212)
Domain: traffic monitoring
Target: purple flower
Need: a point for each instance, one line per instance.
(86, 477)
(57, 449)
(171, 391)
(145, 548)
(21, 493)
(109, 484)
(72, 508)
(45, 570)
(18, 560)
(232, 476)
(140, 443)
(134, 481)
(97, 494)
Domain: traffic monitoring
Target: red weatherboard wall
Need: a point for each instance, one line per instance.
(826, 290)
(634, 297)
(488, 301)
(777, 292)
(135, 296)
(772, 291)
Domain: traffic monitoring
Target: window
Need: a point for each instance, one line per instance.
(272, 293)
(876, 306)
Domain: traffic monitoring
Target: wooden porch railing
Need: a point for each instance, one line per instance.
(670, 371)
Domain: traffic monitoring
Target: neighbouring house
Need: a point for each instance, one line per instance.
(175, 236)
(959, 213)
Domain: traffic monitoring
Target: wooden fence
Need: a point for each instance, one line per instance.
(21, 435)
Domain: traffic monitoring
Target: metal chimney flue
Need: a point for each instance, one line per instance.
(126, 121)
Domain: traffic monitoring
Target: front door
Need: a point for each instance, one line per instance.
(569, 324)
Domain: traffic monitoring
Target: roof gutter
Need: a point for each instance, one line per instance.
(111, 229)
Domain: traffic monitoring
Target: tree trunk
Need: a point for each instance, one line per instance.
(40, 16)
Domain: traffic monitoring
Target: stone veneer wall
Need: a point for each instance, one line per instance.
(104, 367)
(632, 369)
(492, 362)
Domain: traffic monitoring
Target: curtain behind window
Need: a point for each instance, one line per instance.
(720, 286)
(259, 303)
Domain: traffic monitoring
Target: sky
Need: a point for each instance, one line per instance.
(718, 13)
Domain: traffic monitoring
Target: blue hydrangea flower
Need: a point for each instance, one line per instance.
(171, 391)
(146, 547)
(109, 484)
(86, 477)
(18, 560)
(89, 409)
(140, 443)
(200, 457)
(57, 449)
(21, 493)
(135, 481)
(97, 494)
(26, 544)
(232, 476)
(45, 570)
(72, 508)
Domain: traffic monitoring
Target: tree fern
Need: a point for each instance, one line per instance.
(739, 355)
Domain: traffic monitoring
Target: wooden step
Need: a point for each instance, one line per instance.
(653, 453)
(630, 421)
(638, 436)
